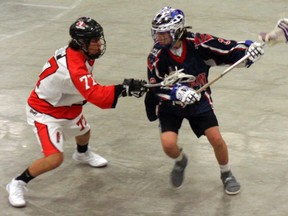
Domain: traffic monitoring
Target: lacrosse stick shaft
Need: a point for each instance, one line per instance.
(223, 73)
(153, 85)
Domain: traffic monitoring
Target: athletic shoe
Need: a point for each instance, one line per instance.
(90, 158)
(16, 190)
(231, 186)
(177, 174)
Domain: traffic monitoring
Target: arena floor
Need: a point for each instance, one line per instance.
(251, 106)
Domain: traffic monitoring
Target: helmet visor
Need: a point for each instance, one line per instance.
(162, 38)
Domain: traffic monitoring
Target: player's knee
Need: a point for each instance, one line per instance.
(169, 142)
(55, 160)
(217, 141)
(169, 147)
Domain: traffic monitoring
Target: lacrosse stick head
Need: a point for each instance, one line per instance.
(168, 20)
(177, 76)
(278, 35)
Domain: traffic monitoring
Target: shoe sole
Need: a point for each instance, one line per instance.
(232, 193)
(17, 206)
(99, 166)
(177, 188)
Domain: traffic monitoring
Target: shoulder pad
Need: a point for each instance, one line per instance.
(60, 52)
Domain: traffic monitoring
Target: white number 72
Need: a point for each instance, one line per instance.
(86, 79)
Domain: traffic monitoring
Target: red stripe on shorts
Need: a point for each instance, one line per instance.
(48, 147)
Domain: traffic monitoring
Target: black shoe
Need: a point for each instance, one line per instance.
(177, 174)
(231, 186)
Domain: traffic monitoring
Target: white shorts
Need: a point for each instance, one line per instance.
(51, 132)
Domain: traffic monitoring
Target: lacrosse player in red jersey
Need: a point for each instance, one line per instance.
(175, 48)
(55, 105)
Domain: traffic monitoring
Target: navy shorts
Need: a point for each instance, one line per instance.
(199, 123)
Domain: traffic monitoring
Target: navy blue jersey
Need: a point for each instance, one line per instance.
(199, 53)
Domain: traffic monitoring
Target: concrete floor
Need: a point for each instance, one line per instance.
(251, 106)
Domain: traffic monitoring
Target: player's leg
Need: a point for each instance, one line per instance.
(216, 140)
(220, 148)
(207, 124)
(51, 140)
(170, 125)
(231, 185)
(81, 130)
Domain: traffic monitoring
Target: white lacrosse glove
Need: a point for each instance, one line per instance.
(256, 51)
(185, 94)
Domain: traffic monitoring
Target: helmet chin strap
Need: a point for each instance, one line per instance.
(95, 56)
(84, 49)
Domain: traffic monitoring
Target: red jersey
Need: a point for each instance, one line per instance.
(66, 83)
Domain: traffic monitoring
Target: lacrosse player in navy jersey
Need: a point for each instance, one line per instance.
(177, 48)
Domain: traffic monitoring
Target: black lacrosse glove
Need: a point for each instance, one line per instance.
(134, 87)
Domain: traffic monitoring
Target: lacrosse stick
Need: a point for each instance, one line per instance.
(176, 77)
(278, 35)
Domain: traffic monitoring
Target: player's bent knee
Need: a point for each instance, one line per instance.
(169, 148)
(55, 160)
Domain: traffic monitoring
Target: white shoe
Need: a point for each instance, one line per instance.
(90, 158)
(16, 190)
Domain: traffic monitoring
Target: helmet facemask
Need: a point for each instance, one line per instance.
(168, 20)
(84, 45)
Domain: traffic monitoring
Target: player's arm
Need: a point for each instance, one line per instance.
(107, 96)
(101, 95)
(219, 51)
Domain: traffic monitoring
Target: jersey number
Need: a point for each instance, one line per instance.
(86, 80)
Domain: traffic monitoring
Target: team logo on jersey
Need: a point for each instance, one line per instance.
(80, 24)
